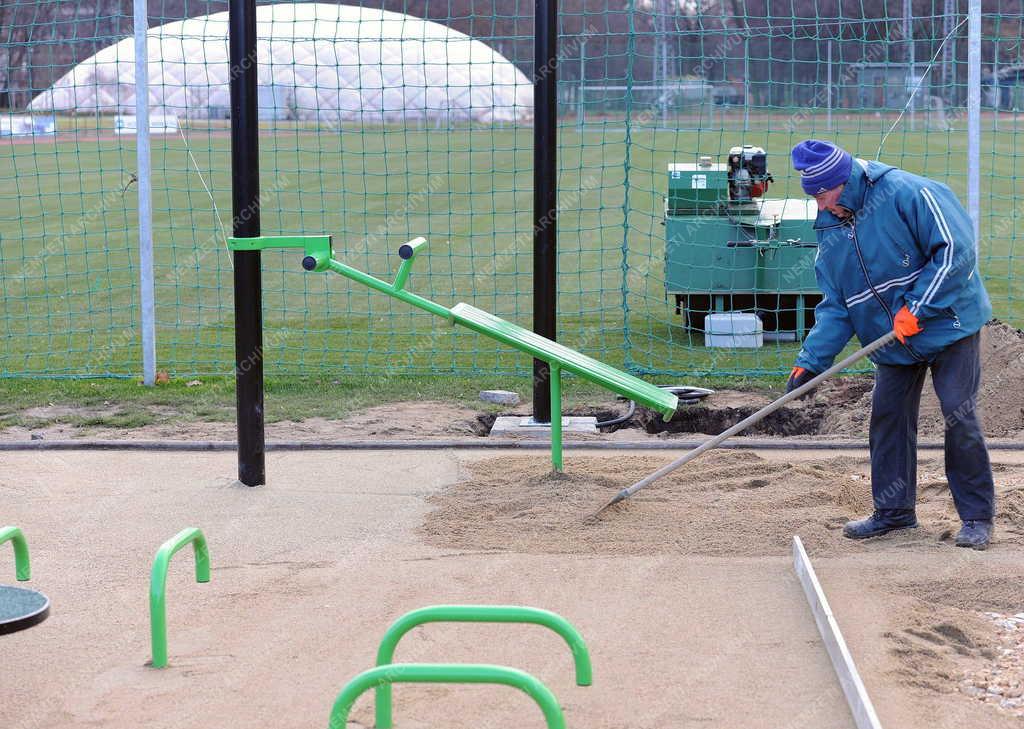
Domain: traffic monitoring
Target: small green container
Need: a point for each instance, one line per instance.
(696, 187)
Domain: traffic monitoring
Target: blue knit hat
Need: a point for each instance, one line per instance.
(822, 165)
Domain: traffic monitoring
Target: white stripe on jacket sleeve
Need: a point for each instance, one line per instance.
(947, 260)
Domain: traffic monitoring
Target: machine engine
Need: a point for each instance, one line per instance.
(748, 172)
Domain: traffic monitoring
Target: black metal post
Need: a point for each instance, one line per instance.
(245, 194)
(545, 192)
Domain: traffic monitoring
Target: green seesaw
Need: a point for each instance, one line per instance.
(319, 256)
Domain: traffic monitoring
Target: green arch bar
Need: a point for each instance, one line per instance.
(475, 614)
(22, 568)
(446, 673)
(158, 585)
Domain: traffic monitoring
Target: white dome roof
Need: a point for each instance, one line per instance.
(323, 62)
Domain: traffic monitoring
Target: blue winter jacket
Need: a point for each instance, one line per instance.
(911, 242)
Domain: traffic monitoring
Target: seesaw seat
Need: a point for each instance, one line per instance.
(595, 371)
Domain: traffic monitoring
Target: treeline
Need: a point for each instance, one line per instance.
(781, 45)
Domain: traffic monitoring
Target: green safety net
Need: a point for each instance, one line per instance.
(385, 122)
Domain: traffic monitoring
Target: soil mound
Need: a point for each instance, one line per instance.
(842, 407)
(1000, 399)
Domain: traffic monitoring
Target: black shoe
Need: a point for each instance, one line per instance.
(881, 522)
(975, 534)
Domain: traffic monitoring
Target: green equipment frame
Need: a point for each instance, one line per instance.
(22, 566)
(158, 585)
(446, 673)
(319, 256)
(475, 614)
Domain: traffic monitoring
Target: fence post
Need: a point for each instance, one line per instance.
(147, 305)
(974, 118)
(908, 39)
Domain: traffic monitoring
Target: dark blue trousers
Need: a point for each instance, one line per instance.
(895, 402)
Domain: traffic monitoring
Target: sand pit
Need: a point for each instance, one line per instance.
(728, 503)
(308, 572)
(939, 641)
(686, 595)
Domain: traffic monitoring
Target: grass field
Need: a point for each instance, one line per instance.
(68, 229)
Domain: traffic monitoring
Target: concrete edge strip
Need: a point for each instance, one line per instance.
(84, 444)
(842, 661)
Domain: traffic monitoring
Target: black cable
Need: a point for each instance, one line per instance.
(687, 395)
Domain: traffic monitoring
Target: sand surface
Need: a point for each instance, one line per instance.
(729, 503)
(685, 629)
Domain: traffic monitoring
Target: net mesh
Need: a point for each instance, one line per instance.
(386, 122)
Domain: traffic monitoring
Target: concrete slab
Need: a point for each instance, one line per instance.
(516, 425)
(500, 397)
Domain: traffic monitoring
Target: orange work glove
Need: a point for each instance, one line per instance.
(798, 377)
(905, 325)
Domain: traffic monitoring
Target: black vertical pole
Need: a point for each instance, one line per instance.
(245, 194)
(545, 192)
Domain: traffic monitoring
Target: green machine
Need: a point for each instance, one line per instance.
(728, 248)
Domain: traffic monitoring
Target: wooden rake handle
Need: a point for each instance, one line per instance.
(764, 412)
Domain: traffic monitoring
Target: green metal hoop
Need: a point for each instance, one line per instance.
(158, 586)
(476, 614)
(446, 673)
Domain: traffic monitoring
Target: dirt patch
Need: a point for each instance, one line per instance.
(427, 419)
(842, 406)
(712, 418)
(950, 641)
(971, 593)
(731, 503)
(421, 420)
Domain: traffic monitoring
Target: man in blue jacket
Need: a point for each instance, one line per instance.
(896, 252)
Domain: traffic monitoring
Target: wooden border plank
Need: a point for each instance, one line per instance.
(842, 661)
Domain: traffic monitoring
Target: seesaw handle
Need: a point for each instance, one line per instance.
(408, 252)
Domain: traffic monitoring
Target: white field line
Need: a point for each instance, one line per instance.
(856, 695)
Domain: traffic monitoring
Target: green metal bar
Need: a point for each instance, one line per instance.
(318, 248)
(446, 673)
(403, 275)
(308, 243)
(476, 614)
(22, 568)
(384, 287)
(320, 257)
(158, 585)
(801, 316)
(556, 415)
(408, 252)
(586, 367)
